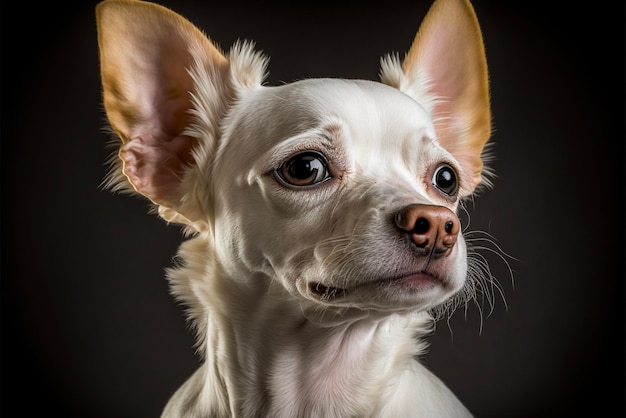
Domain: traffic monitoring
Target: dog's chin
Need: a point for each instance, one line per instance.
(416, 290)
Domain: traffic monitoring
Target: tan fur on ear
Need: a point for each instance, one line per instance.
(446, 71)
(146, 51)
(140, 40)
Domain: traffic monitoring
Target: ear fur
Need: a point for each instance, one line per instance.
(445, 71)
(166, 87)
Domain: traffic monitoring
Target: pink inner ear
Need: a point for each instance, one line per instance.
(146, 51)
(154, 166)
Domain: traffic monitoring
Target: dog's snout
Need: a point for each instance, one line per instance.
(430, 227)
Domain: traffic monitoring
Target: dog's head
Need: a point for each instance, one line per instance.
(344, 193)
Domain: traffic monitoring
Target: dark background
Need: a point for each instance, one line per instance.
(88, 326)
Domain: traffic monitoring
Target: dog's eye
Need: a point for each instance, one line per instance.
(305, 169)
(445, 179)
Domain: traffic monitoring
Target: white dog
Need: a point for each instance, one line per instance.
(322, 213)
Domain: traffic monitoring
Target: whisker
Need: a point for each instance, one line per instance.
(482, 288)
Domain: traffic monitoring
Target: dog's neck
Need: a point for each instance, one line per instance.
(272, 357)
(293, 367)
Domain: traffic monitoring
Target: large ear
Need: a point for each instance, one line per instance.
(445, 70)
(146, 53)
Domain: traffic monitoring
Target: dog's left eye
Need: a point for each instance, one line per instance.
(445, 179)
(305, 169)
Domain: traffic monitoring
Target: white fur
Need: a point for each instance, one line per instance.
(273, 350)
(307, 301)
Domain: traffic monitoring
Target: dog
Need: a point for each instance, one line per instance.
(321, 216)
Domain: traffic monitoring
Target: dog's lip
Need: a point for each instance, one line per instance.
(326, 293)
(414, 280)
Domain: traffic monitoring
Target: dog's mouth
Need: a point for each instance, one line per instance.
(327, 293)
(410, 282)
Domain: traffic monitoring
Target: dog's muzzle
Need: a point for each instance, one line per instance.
(432, 230)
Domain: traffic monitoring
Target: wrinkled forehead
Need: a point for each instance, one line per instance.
(366, 107)
(370, 117)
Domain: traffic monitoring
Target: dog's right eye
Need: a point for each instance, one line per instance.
(305, 169)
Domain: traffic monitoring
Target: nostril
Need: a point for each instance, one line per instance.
(421, 226)
(448, 226)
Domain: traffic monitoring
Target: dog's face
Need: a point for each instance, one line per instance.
(341, 192)
(310, 179)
